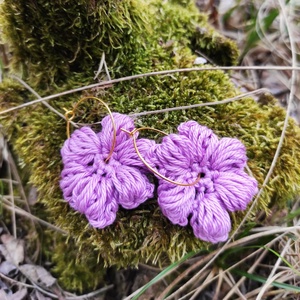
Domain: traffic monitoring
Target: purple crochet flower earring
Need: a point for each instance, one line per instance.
(102, 170)
(201, 178)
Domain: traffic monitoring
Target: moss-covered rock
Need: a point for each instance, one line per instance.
(63, 38)
(58, 45)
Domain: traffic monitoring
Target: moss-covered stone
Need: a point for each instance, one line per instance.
(58, 46)
(64, 36)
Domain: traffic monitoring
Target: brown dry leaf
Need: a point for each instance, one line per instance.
(12, 249)
(38, 275)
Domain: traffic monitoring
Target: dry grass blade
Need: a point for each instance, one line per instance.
(133, 77)
(51, 108)
(284, 45)
(204, 259)
(7, 204)
(250, 271)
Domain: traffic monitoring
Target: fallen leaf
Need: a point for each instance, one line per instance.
(36, 295)
(4, 289)
(8, 269)
(12, 249)
(3, 295)
(38, 275)
(19, 295)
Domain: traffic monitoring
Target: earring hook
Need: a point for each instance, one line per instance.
(132, 133)
(70, 114)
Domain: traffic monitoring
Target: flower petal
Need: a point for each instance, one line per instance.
(83, 143)
(132, 187)
(235, 189)
(210, 221)
(228, 155)
(102, 211)
(176, 202)
(93, 186)
(174, 154)
(107, 133)
(203, 139)
(127, 155)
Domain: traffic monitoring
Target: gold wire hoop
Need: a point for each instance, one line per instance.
(70, 114)
(132, 133)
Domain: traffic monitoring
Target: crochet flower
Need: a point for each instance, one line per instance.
(224, 186)
(96, 188)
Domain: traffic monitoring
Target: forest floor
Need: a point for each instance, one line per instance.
(268, 34)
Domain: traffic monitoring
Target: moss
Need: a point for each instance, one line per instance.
(71, 265)
(64, 37)
(143, 234)
(181, 26)
(162, 37)
(11, 94)
(122, 30)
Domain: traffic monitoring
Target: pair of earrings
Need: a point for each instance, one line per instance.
(201, 177)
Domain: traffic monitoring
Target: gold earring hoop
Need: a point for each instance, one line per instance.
(132, 133)
(70, 115)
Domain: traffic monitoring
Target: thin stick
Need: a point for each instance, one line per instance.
(157, 73)
(274, 269)
(92, 294)
(106, 70)
(15, 281)
(11, 193)
(219, 284)
(230, 281)
(187, 271)
(37, 95)
(24, 213)
(15, 175)
(242, 241)
(211, 277)
(228, 100)
(100, 66)
(250, 271)
(103, 63)
(268, 283)
(29, 88)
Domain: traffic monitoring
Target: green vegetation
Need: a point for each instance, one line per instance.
(57, 46)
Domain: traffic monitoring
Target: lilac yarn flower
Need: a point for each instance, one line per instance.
(96, 188)
(224, 186)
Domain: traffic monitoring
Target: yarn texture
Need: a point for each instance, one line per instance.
(224, 186)
(96, 188)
